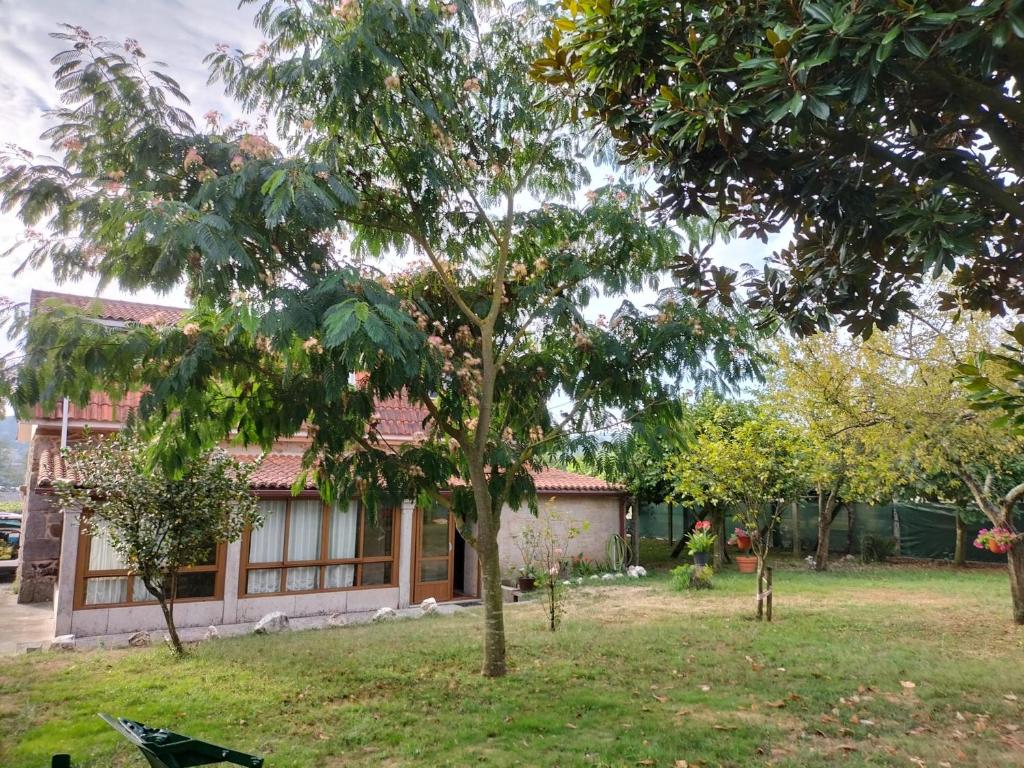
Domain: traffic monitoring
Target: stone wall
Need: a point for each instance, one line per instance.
(41, 527)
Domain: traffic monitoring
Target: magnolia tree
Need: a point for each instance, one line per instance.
(157, 524)
(408, 136)
(756, 465)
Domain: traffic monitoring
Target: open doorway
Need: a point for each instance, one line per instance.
(459, 566)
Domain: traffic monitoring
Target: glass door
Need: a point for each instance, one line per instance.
(433, 562)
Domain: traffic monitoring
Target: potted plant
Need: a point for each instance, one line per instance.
(995, 540)
(742, 541)
(527, 578)
(700, 542)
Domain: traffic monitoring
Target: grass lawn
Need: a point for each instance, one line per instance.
(879, 666)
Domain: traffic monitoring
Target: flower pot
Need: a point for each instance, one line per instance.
(700, 559)
(746, 563)
(742, 543)
(997, 548)
(527, 583)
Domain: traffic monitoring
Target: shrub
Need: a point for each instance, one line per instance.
(692, 577)
(877, 549)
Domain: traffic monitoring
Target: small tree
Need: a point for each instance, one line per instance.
(757, 466)
(159, 524)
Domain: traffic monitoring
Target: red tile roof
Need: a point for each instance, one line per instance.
(278, 471)
(100, 409)
(113, 309)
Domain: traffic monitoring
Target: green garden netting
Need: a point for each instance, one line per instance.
(921, 530)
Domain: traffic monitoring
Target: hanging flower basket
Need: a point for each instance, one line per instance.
(995, 540)
(740, 539)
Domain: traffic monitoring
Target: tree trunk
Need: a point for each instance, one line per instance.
(760, 585)
(495, 664)
(851, 526)
(960, 553)
(1015, 562)
(824, 525)
(718, 526)
(167, 608)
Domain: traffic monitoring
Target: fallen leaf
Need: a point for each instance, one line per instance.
(855, 720)
(661, 699)
(571, 725)
(648, 761)
(776, 704)
(907, 684)
(681, 764)
(867, 723)
(705, 688)
(1010, 697)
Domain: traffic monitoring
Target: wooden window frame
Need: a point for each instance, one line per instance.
(83, 574)
(323, 562)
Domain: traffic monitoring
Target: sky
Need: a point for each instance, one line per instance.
(178, 32)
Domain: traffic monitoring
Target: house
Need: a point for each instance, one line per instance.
(307, 558)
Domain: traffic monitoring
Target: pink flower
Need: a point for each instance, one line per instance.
(72, 143)
(192, 157)
(553, 570)
(312, 345)
(255, 146)
(212, 117)
(591, 196)
(451, 9)
(307, 124)
(703, 525)
(392, 82)
(191, 330)
(222, 48)
(621, 196)
(237, 162)
(472, 85)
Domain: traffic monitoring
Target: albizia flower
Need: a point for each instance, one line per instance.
(192, 157)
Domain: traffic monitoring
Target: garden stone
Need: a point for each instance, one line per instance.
(63, 643)
(383, 614)
(212, 633)
(271, 623)
(636, 571)
(428, 606)
(140, 640)
(337, 620)
(607, 576)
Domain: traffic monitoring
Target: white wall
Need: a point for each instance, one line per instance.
(596, 516)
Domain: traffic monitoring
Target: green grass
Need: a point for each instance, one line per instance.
(638, 675)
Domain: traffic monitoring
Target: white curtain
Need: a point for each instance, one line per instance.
(108, 589)
(262, 581)
(267, 542)
(304, 536)
(299, 579)
(341, 545)
(102, 556)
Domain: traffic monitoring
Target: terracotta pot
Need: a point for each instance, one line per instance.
(746, 563)
(996, 548)
(742, 543)
(527, 583)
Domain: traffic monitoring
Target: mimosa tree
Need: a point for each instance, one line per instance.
(408, 137)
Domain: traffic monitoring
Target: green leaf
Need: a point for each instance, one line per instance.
(818, 107)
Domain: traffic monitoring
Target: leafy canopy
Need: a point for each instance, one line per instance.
(885, 136)
(409, 134)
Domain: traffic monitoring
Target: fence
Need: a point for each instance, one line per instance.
(920, 530)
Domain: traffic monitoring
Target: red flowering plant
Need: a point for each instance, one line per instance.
(701, 540)
(996, 540)
(740, 539)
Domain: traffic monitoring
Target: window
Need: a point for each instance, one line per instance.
(305, 546)
(105, 581)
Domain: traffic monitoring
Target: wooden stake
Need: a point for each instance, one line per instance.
(768, 579)
(760, 592)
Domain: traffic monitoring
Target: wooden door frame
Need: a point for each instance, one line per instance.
(430, 588)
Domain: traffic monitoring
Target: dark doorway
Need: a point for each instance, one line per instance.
(459, 565)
